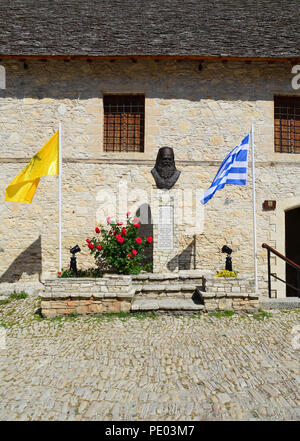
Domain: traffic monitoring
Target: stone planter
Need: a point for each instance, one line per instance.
(115, 293)
(63, 296)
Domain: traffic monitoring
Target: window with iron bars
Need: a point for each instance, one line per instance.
(124, 123)
(287, 124)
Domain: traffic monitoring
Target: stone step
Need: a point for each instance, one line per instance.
(224, 293)
(170, 304)
(281, 303)
(165, 291)
(185, 274)
(192, 276)
(167, 288)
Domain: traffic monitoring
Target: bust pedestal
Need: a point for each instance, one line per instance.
(164, 207)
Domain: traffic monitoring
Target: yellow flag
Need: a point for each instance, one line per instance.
(45, 162)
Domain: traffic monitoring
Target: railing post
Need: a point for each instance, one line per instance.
(298, 282)
(269, 272)
(194, 251)
(289, 262)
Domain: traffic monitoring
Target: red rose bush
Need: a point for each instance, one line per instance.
(119, 247)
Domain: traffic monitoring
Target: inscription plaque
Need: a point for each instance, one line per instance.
(165, 239)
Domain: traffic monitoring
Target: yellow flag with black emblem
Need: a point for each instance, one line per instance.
(45, 162)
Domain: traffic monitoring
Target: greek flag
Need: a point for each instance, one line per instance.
(233, 170)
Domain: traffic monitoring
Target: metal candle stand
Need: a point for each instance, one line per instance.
(228, 263)
(73, 262)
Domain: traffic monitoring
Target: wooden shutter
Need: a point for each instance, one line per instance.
(287, 124)
(124, 117)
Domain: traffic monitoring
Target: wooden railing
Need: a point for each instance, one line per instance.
(289, 262)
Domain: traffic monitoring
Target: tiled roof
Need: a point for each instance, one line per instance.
(231, 28)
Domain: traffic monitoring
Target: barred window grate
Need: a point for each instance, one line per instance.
(287, 124)
(124, 122)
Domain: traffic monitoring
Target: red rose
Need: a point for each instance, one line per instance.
(134, 252)
(114, 232)
(87, 240)
(99, 247)
(59, 273)
(138, 240)
(91, 246)
(97, 230)
(149, 239)
(136, 225)
(128, 213)
(129, 255)
(123, 231)
(120, 223)
(119, 238)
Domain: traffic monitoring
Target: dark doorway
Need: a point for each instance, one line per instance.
(292, 248)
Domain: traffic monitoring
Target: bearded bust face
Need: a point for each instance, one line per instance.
(165, 172)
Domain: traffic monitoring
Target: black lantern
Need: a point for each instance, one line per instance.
(73, 263)
(228, 263)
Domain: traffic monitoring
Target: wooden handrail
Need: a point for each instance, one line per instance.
(264, 245)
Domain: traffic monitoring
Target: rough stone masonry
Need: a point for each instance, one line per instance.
(202, 115)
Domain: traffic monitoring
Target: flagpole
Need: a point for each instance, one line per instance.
(59, 192)
(254, 208)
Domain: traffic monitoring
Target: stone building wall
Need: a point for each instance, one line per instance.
(201, 114)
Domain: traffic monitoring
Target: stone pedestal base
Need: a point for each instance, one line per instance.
(182, 291)
(165, 247)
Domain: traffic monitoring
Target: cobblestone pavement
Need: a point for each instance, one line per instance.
(148, 368)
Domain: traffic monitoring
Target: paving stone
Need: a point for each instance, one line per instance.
(173, 367)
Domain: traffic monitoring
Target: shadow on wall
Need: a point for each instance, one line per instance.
(146, 228)
(29, 262)
(184, 259)
(185, 81)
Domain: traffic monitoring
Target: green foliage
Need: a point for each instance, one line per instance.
(261, 315)
(226, 273)
(108, 316)
(197, 315)
(8, 323)
(72, 316)
(18, 295)
(220, 314)
(148, 267)
(90, 272)
(120, 248)
(124, 316)
(38, 317)
(100, 317)
(14, 296)
(58, 318)
(142, 315)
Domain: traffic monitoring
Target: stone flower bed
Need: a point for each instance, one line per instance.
(114, 293)
(111, 293)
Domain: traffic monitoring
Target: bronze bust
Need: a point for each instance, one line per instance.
(165, 172)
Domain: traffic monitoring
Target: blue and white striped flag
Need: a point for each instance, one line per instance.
(233, 170)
